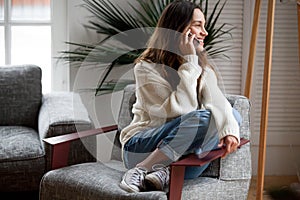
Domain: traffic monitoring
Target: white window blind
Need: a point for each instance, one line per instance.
(230, 68)
(284, 107)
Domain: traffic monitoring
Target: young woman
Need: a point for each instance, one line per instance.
(179, 108)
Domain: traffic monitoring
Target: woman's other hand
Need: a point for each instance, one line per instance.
(231, 144)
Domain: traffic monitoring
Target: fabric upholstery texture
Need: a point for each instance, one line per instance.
(21, 157)
(26, 118)
(89, 181)
(227, 178)
(54, 122)
(21, 95)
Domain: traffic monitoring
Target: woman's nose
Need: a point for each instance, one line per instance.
(204, 32)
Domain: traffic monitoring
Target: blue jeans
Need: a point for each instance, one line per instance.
(190, 133)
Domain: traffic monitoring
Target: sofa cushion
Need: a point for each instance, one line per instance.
(19, 143)
(22, 161)
(20, 95)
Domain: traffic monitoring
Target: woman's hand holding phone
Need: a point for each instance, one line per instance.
(196, 42)
(189, 43)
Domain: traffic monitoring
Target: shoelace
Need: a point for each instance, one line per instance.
(137, 177)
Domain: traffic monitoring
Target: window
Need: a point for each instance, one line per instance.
(25, 35)
(2, 53)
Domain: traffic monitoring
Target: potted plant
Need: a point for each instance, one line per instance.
(115, 23)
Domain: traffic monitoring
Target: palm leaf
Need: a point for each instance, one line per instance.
(114, 18)
(151, 11)
(112, 85)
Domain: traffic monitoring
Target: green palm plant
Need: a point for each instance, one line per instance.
(114, 23)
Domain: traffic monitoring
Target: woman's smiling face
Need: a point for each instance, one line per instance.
(197, 26)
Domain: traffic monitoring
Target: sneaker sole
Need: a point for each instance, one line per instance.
(127, 188)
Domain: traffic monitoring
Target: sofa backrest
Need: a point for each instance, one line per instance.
(20, 95)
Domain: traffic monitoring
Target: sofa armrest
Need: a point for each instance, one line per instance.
(237, 166)
(242, 104)
(62, 113)
(62, 109)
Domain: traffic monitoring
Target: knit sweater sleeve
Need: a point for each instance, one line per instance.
(214, 100)
(156, 95)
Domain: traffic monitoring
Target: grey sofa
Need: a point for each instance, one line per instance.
(227, 178)
(26, 117)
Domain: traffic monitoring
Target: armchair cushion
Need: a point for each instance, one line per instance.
(100, 182)
(23, 95)
(212, 189)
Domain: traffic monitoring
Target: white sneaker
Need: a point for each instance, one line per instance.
(133, 180)
(158, 180)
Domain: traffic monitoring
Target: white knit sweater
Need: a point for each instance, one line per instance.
(157, 102)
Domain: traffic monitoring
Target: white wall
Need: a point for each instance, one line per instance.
(283, 138)
(282, 151)
(102, 109)
(60, 71)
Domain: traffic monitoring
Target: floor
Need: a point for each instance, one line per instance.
(281, 183)
(22, 195)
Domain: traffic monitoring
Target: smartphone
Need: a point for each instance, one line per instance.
(196, 41)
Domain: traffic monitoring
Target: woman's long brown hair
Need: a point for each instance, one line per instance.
(162, 47)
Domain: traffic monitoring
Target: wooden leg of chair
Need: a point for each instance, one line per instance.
(176, 182)
(60, 155)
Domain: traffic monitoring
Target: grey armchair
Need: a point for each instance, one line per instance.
(227, 178)
(26, 118)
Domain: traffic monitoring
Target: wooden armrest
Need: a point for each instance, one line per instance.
(194, 160)
(178, 168)
(61, 144)
(77, 135)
